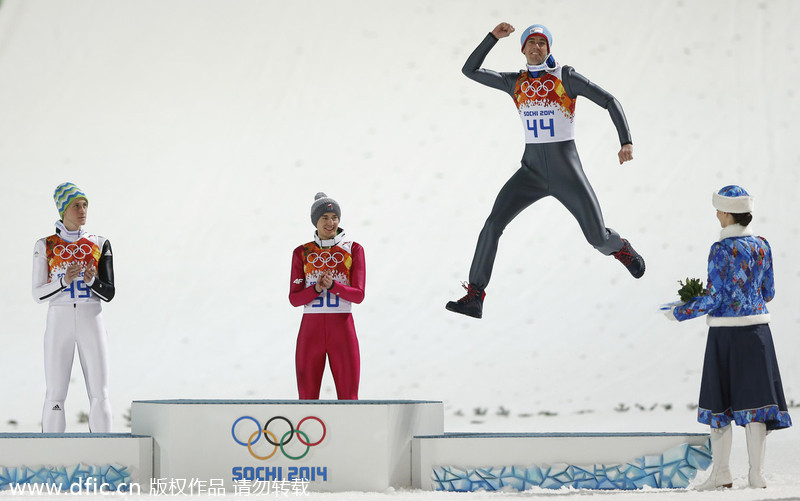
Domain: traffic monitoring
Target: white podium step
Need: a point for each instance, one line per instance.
(493, 461)
(40, 463)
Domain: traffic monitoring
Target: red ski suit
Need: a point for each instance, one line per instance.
(327, 328)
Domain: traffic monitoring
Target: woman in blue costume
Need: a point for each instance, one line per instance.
(741, 382)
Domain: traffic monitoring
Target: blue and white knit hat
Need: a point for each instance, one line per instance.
(322, 204)
(536, 30)
(64, 195)
(733, 199)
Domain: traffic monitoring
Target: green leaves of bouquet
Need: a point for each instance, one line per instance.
(691, 289)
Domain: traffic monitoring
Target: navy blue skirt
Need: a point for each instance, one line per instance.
(741, 381)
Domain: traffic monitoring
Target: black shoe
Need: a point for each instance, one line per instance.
(471, 304)
(630, 259)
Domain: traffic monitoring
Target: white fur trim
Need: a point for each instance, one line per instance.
(734, 205)
(737, 321)
(735, 230)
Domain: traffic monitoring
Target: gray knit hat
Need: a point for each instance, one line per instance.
(322, 204)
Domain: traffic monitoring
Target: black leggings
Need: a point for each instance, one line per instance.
(550, 169)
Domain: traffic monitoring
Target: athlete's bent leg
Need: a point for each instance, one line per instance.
(571, 187)
(343, 355)
(517, 194)
(309, 357)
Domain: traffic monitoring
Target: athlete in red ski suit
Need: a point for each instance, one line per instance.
(328, 275)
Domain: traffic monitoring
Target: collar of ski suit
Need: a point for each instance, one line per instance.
(69, 236)
(536, 70)
(735, 230)
(331, 241)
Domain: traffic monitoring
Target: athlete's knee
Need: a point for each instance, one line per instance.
(493, 228)
(99, 401)
(56, 394)
(98, 392)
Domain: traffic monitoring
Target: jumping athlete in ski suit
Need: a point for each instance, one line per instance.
(545, 95)
(328, 275)
(72, 271)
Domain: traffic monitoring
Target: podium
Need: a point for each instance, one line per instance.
(41, 463)
(217, 447)
(340, 445)
(493, 461)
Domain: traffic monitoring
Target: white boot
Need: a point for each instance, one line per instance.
(721, 439)
(756, 434)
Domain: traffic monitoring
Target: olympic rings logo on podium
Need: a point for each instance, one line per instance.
(537, 88)
(72, 250)
(272, 439)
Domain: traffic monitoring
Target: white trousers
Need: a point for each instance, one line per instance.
(81, 325)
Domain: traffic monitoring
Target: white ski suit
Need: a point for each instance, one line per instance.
(74, 318)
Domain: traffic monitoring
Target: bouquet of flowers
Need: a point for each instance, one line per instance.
(691, 289)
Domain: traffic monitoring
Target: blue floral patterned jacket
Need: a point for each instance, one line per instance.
(740, 281)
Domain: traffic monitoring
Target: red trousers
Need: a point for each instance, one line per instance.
(331, 335)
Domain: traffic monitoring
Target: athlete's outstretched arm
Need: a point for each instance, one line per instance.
(578, 85)
(472, 67)
(101, 280)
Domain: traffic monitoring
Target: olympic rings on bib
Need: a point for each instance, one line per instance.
(537, 88)
(320, 259)
(66, 252)
(270, 437)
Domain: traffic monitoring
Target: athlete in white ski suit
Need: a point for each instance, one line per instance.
(73, 271)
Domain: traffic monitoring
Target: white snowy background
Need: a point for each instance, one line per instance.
(201, 129)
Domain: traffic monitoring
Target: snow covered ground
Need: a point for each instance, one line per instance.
(201, 129)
